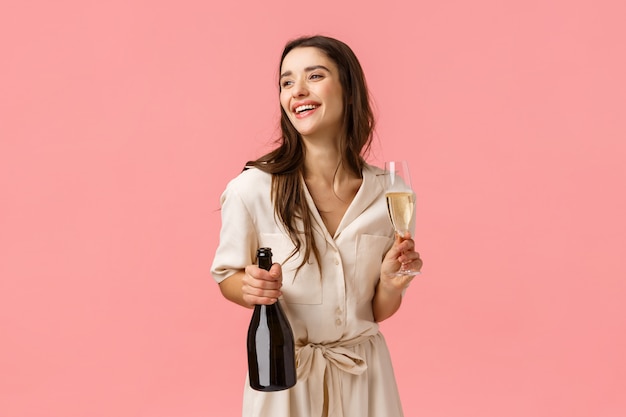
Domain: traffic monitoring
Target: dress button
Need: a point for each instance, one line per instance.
(338, 322)
(338, 311)
(336, 261)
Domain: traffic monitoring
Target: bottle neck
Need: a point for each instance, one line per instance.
(265, 263)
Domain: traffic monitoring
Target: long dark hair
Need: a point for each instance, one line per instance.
(286, 162)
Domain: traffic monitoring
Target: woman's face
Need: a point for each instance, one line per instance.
(311, 94)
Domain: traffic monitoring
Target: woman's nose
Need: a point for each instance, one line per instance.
(299, 89)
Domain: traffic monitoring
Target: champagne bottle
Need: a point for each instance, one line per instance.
(271, 352)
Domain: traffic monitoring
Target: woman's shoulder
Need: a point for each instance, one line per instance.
(372, 169)
(249, 180)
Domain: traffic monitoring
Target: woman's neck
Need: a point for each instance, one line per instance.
(323, 162)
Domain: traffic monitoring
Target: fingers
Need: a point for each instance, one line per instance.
(414, 265)
(411, 258)
(402, 254)
(260, 286)
(401, 248)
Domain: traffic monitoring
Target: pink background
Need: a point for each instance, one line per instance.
(122, 121)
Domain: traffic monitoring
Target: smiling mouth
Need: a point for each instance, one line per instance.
(304, 108)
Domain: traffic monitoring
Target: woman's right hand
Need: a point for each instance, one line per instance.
(260, 286)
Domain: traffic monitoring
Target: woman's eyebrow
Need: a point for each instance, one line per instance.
(307, 69)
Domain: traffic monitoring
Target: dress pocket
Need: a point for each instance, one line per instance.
(300, 286)
(370, 251)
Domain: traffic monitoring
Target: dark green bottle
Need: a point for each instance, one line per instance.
(271, 349)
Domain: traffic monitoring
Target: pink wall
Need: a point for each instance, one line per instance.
(121, 122)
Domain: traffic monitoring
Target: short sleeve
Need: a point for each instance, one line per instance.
(238, 237)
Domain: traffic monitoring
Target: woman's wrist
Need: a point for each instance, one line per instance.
(390, 288)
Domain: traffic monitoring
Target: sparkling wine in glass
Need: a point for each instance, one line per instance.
(400, 201)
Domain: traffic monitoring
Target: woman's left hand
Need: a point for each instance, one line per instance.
(402, 253)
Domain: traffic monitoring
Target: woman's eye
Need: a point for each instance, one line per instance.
(286, 83)
(316, 76)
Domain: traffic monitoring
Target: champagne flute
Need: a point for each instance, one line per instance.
(400, 202)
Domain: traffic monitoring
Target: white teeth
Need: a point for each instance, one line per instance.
(305, 107)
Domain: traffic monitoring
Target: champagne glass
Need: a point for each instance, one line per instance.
(400, 202)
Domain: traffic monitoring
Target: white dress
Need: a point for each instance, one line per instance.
(344, 367)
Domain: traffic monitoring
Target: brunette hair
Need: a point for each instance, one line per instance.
(286, 162)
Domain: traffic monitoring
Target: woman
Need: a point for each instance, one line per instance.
(321, 208)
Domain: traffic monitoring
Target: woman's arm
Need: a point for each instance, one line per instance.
(388, 296)
(387, 301)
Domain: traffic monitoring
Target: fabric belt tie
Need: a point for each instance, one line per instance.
(322, 365)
